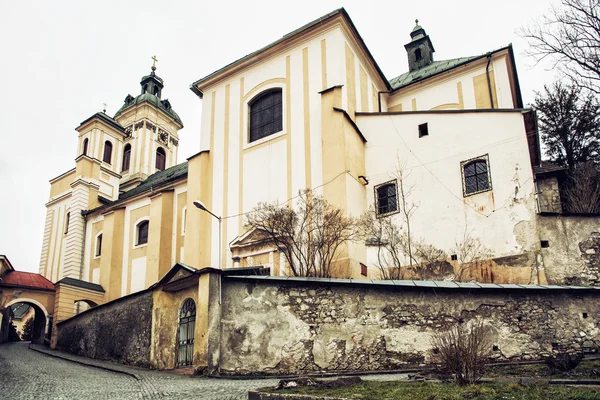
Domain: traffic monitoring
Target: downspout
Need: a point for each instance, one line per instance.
(487, 74)
(82, 248)
(379, 97)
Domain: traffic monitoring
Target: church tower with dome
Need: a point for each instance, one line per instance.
(115, 154)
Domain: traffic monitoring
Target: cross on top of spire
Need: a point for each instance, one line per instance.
(154, 60)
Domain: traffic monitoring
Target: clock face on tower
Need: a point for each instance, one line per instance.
(163, 136)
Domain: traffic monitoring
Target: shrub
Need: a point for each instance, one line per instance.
(464, 351)
(563, 362)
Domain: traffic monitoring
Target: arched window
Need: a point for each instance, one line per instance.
(107, 157)
(126, 157)
(98, 245)
(418, 55)
(161, 158)
(476, 177)
(85, 146)
(142, 232)
(266, 114)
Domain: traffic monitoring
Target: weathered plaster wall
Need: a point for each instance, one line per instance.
(573, 255)
(272, 326)
(165, 324)
(118, 331)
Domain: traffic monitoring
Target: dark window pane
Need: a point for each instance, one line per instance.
(266, 115)
(143, 232)
(386, 199)
(482, 182)
(471, 184)
(470, 169)
(480, 167)
(107, 152)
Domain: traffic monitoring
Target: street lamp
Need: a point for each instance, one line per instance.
(201, 206)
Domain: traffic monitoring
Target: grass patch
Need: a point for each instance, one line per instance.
(370, 390)
(586, 370)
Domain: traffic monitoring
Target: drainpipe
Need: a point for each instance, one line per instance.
(379, 97)
(487, 74)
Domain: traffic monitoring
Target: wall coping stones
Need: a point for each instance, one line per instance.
(414, 284)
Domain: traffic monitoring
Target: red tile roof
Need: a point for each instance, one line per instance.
(26, 279)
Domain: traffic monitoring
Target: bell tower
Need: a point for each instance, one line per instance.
(420, 49)
(151, 132)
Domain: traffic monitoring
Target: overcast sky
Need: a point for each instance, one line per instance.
(61, 60)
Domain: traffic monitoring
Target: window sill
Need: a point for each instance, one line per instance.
(97, 257)
(387, 214)
(265, 139)
(465, 195)
(139, 246)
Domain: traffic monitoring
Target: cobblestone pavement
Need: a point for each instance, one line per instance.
(27, 374)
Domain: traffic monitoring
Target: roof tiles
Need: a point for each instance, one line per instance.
(27, 279)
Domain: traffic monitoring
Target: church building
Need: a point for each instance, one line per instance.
(312, 110)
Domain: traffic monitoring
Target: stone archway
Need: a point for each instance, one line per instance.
(41, 321)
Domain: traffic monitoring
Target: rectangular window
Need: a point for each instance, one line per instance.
(386, 198)
(423, 130)
(99, 245)
(476, 175)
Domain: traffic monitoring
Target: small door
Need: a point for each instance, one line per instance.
(185, 333)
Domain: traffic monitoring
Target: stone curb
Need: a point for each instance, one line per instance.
(258, 395)
(318, 375)
(55, 354)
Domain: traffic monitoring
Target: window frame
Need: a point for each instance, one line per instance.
(98, 249)
(376, 194)
(138, 225)
(164, 155)
(485, 158)
(123, 169)
(109, 162)
(248, 113)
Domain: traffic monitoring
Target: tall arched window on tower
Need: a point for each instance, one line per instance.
(107, 157)
(85, 146)
(266, 114)
(126, 157)
(161, 159)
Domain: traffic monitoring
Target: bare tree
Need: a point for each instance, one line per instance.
(309, 236)
(468, 251)
(406, 210)
(581, 192)
(570, 36)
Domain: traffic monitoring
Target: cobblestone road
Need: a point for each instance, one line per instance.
(28, 374)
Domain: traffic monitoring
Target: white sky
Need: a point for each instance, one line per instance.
(61, 60)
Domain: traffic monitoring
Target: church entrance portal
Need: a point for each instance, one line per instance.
(185, 333)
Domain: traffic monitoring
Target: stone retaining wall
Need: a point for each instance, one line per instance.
(117, 331)
(283, 326)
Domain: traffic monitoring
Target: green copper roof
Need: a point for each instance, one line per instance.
(157, 180)
(437, 67)
(434, 68)
(162, 105)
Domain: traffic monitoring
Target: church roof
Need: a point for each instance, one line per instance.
(106, 119)
(162, 105)
(26, 279)
(157, 180)
(436, 67)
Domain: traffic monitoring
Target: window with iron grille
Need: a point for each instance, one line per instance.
(386, 196)
(476, 176)
(266, 115)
